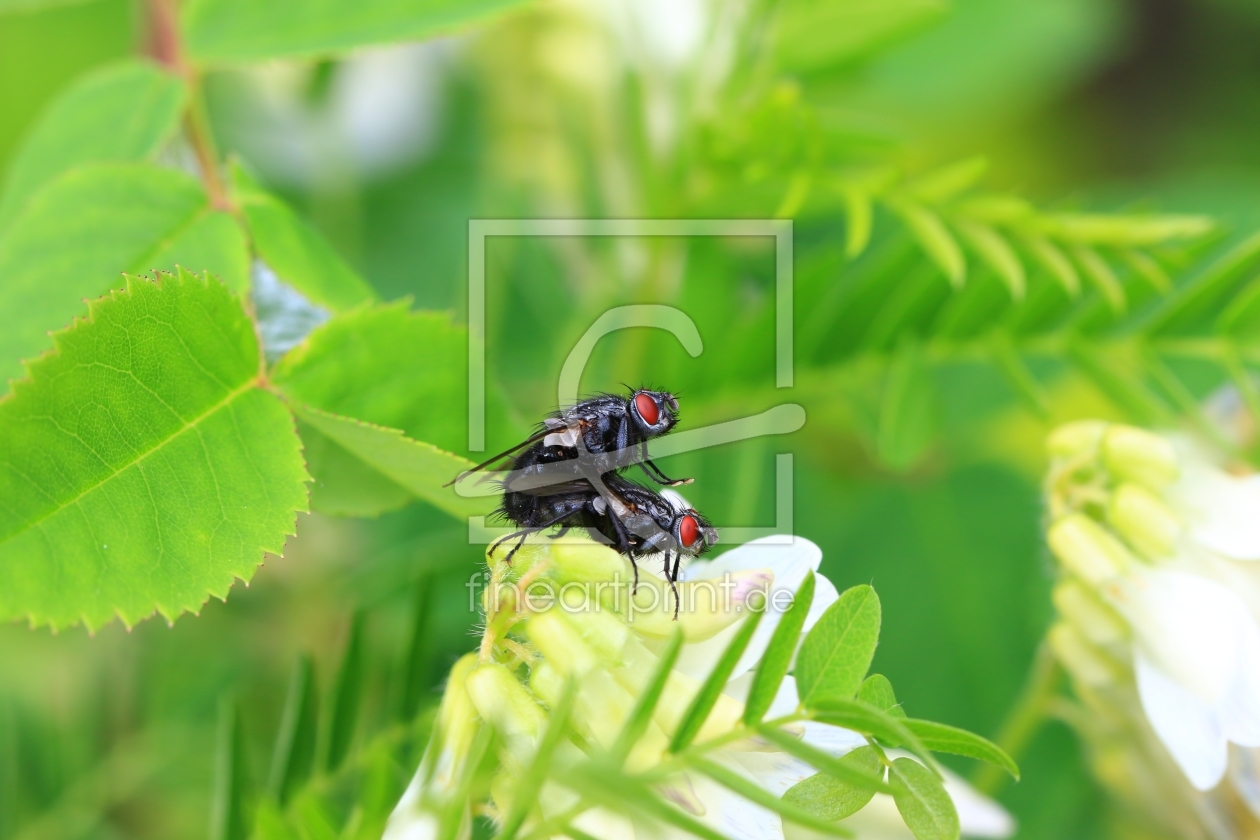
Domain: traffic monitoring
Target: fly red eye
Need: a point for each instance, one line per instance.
(647, 409)
(689, 531)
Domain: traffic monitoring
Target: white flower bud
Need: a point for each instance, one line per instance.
(1085, 663)
(588, 562)
(1076, 438)
(1088, 550)
(1144, 520)
(1095, 620)
(707, 606)
(1138, 455)
(509, 707)
(561, 644)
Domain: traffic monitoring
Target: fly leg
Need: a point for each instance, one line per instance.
(673, 582)
(654, 472)
(623, 543)
(523, 534)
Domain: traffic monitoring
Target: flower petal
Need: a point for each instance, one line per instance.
(1244, 775)
(978, 816)
(1220, 509)
(1189, 626)
(774, 771)
(1185, 724)
(1240, 708)
(731, 814)
(789, 562)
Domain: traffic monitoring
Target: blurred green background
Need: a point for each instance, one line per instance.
(1074, 103)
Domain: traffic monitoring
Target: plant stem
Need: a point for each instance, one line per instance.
(166, 47)
(1025, 718)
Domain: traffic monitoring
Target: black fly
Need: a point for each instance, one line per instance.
(598, 438)
(603, 425)
(630, 517)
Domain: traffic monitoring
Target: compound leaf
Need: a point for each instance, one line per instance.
(235, 30)
(80, 233)
(123, 112)
(836, 654)
(142, 465)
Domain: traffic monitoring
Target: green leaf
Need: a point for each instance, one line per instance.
(836, 654)
(296, 741)
(231, 777)
(641, 715)
(941, 737)
(626, 794)
(1147, 268)
(387, 365)
(342, 483)
(347, 692)
(1053, 260)
(120, 218)
(350, 366)
(143, 465)
(834, 767)
(865, 718)
(416, 666)
(237, 30)
(706, 698)
(946, 182)
(295, 252)
(878, 691)
(935, 240)
(777, 659)
(736, 783)
(1122, 231)
(907, 418)
(922, 801)
(997, 254)
(829, 798)
(214, 242)
(123, 112)
(1100, 273)
(1204, 294)
(857, 207)
(420, 468)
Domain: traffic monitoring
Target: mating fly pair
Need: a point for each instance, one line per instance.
(569, 475)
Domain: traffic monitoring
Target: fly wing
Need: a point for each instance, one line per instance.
(580, 485)
(532, 439)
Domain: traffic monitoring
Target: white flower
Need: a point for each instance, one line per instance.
(1177, 564)
(611, 657)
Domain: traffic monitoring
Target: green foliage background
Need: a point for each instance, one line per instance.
(917, 468)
